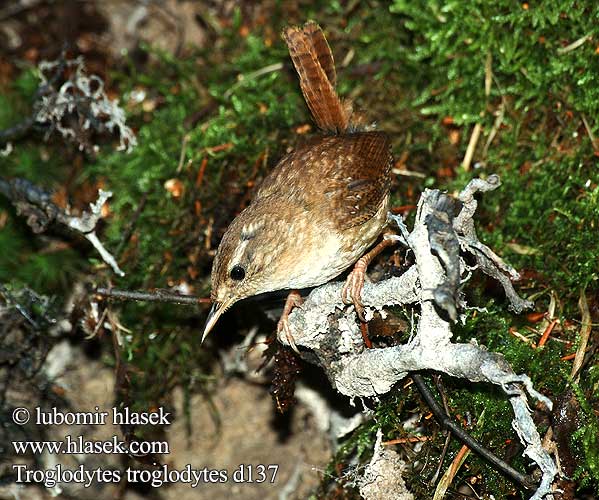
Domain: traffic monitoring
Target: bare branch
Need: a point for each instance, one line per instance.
(154, 296)
(448, 423)
(36, 204)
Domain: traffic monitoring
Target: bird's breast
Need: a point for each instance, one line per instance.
(322, 253)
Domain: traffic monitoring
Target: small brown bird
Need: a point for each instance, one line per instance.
(322, 206)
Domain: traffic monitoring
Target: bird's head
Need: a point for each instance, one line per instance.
(247, 262)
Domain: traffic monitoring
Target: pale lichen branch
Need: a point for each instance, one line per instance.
(328, 334)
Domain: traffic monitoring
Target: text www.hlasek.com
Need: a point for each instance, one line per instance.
(79, 445)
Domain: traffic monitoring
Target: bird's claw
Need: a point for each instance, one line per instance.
(294, 299)
(283, 328)
(352, 290)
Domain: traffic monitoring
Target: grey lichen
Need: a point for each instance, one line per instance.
(382, 478)
(80, 105)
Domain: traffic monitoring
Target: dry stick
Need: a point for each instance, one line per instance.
(411, 439)
(441, 459)
(471, 146)
(547, 332)
(448, 434)
(585, 332)
(478, 127)
(574, 45)
(156, 296)
(184, 142)
(450, 473)
(441, 390)
(590, 133)
(242, 79)
(37, 205)
(447, 423)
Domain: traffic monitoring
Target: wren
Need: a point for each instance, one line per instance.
(321, 207)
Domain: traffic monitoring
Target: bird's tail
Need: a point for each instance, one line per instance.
(313, 60)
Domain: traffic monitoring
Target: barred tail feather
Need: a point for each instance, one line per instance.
(314, 63)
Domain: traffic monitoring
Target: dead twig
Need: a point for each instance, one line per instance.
(441, 390)
(574, 45)
(450, 473)
(184, 142)
(34, 203)
(154, 296)
(411, 439)
(547, 332)
(448, 423)
(243, 79)
(471, 146)
(589, 130)
(359, 372)
(585, 333)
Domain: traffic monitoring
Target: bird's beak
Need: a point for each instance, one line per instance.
(218, 308)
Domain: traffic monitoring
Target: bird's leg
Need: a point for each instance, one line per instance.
(294, 299)
(352, 290)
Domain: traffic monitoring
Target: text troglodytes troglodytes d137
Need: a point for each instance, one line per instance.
(321, 207)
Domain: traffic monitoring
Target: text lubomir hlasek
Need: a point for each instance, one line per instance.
(120, 416)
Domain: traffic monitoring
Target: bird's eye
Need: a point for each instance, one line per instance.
(237, 273)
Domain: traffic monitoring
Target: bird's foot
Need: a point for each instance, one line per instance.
(352, 290)
(294, 299)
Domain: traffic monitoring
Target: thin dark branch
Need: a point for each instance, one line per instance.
(24, 127)
(441, 390)
(40, 211)
(448, 423)
(17, 131)
(155, 296)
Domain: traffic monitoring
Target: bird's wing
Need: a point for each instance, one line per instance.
(344, 177)
(359, 176)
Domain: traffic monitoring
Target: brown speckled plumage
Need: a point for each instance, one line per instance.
(321, 207)
(346, 174)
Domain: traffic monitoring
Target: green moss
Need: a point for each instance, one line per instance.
(526, 43)
(585, 442)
